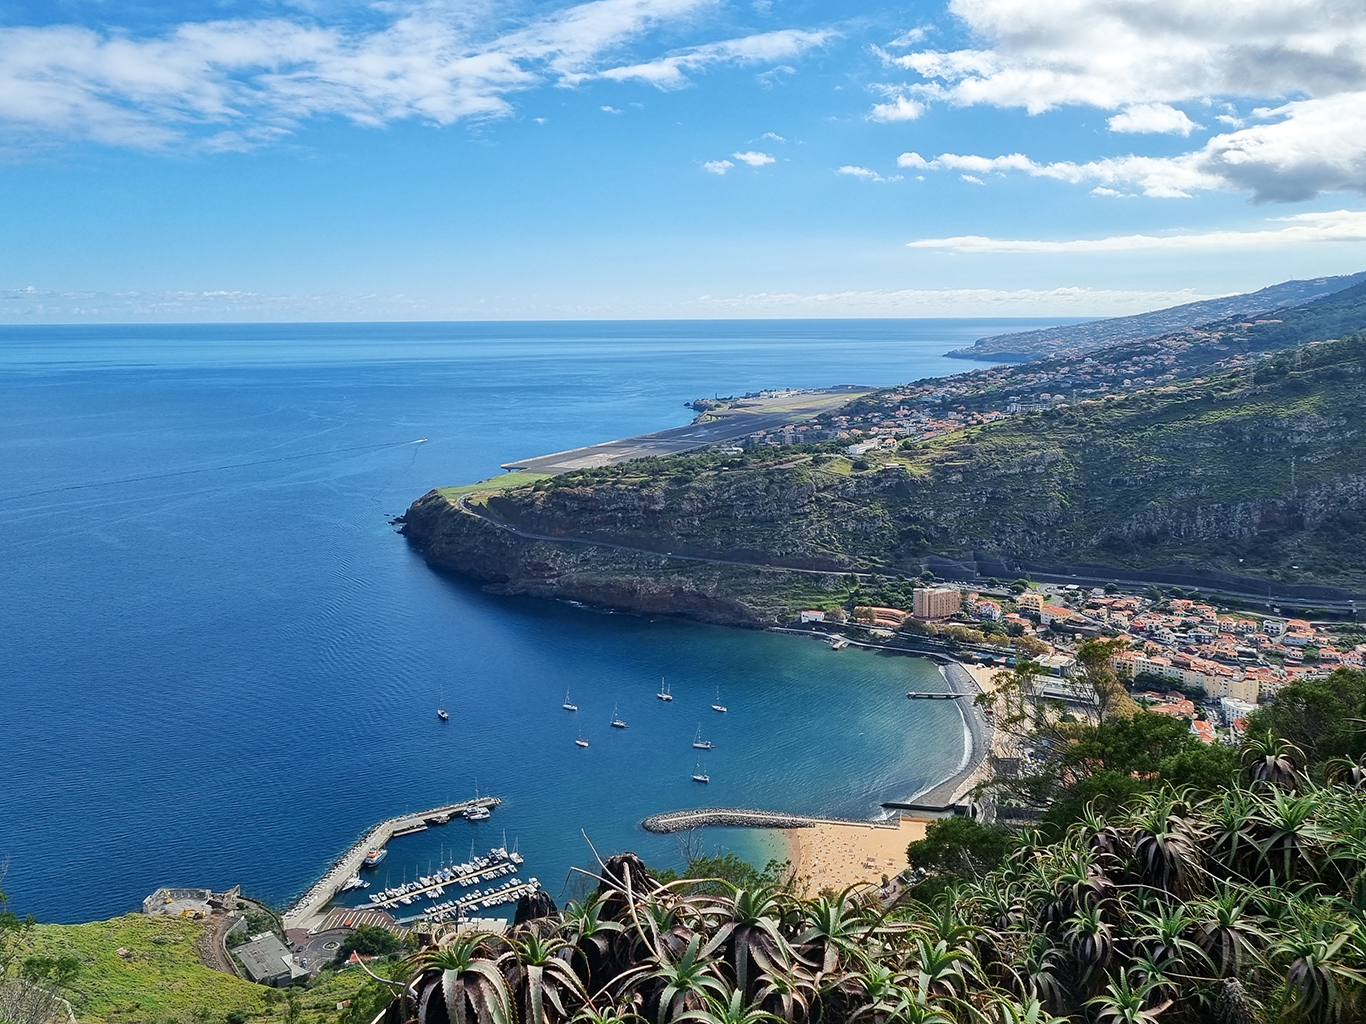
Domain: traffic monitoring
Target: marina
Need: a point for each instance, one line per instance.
(498, 863)
(307, 910)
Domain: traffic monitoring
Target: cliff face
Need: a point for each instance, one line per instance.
(453, 537)
(1251, 474)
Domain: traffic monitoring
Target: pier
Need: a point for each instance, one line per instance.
(304, 911)
(936, 695)
(740, 817)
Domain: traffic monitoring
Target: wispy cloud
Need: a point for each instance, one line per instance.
(1300, 229)
(717, 166)
(866, 173)
(754, 158)
(671, 71)
(234, 84)
(1062, 301)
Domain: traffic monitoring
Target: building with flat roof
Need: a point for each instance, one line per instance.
(937, 602)
(267, 961)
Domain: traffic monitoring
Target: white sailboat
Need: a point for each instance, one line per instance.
(617, 723)
(699, 775)
(718, 706)
(568, 705)
(664, 692)
(441, 706)
(581, 742)
(699, 742)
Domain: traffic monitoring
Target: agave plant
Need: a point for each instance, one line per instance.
(1290, 842)
(1127, 1001)
(1272, 760)
(679, 985)
(751, 930)
(1166, 847)
(460, 983)
(1320, 965)
(833, 926)
(540, 975)
(1228, 931)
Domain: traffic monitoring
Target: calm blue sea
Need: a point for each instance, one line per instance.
(221, 665)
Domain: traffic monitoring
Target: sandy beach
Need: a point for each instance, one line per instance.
(832, 856)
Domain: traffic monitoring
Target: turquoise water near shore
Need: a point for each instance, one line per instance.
(222, 664)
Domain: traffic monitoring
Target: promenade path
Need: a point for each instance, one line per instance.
(307, 911)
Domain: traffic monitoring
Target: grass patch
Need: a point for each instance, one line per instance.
(163, 981)
(493, 483)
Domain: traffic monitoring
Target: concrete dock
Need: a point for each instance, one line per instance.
(741, 817)
(307, 910)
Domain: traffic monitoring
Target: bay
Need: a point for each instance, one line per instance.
(221, 664)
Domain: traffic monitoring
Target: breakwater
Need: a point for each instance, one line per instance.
(741, 817)
(304, 911)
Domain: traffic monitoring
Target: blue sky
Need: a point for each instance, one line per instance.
(657, 158)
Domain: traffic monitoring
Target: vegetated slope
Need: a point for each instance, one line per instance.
(1249, 472)
(1084, 337)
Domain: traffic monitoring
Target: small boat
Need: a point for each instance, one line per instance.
(617, 723)
(478, 814)
(718, 706)
(699, 742)
(441, 707)
(354, 882)
(699, 775)
(664, 693)
(441, 714)
(375, 856)
(567, 705)
(581, 741)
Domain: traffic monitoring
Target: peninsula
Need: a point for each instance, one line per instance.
(1227, 458)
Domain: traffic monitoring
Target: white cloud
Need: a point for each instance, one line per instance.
(972, 179)
(1101, 190)
(912, 160)
(1313, 146)
(1063, 301)
(611, 110)
(1300, 229)
(754, 158)
(670, 72)
(717, 166)
(1138, 59)
(900, 108)
(1156, 118)
(1110, 55)
(774, 136)
(233, 84)
(866, 173)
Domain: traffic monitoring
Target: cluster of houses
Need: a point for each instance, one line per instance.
(1188, 648)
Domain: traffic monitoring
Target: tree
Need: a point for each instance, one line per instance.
(960, 847)
(1317, 715)
(1019, 586)
(368, 940)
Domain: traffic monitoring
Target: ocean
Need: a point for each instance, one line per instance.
(222, 664)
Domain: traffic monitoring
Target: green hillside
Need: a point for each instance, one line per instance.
(1253, 471)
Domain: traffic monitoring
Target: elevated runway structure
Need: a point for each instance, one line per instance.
(736, 419)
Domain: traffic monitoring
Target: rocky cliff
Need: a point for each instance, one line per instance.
(1254, 474)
